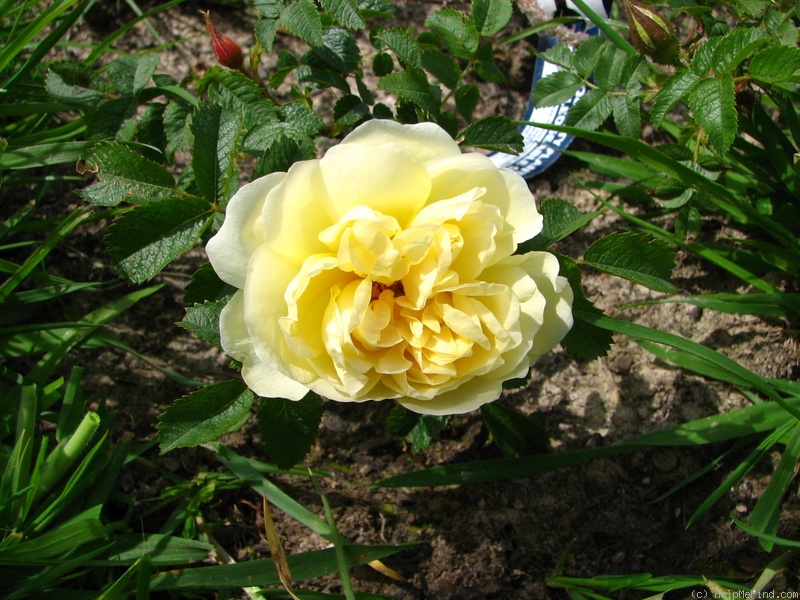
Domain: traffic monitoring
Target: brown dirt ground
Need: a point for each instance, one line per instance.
(486, 541)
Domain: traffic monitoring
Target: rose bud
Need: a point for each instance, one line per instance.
(652, 34)
(228, 53)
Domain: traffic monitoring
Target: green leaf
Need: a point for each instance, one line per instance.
(145, 240)
(425, 431)
(266, 30)
(485, 65)
(586, 340)
(61, 540)
(493, 133)
(736, 47)
(634, 256)
(280, 153)
(713, 105)
(404, 45)
(591, 110)
(560, 55)
(673, 91)
(766, 512)
(776, 64)
(401, 421)
(162, 550)
(344, 12)
(289, 428)
(457, 31)
(203, 321)
(560, 218)
(130, 74)
(206, 286)
(491, 16)
(442, 66)
(73, 82)
(467, 98)
(217, 132)
(627, 115)
(306, 565)
(349, 110)
(514, 433)
(339, 52)
(588, 53)
(125, 176)
(382, 64)
(302, 19)
(271, 9)
(204, 415)
(556, 88)
(411, 85)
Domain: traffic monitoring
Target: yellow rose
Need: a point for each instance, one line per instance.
(386, 270)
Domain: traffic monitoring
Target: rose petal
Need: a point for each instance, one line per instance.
(394, 182)
(425, 141)
(241, 234)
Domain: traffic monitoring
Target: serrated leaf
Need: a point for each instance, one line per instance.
(491, 16)
(206, 286)
(203, 321)
(610, 67)
(344, 12)
(560, 219)
(73, 82)
(560, 55)
(349, 110)
(204, 415)
(271, 9)
(442, 67)
(144, 240)
(217, 132)
(404, 45)
(467, 98)
(339, 52)
(302, 19)
(456, 30)
(735, 47)
(411, 85)
(703, 57)
(485, 65)
(401, 421)
(125, 176)
(586, 340)
(234, 91)
(265, 31)
(494, 133)
(591, 110)
(637, 257)
(281, 153)
(382, 64)
(176, 120)
(776, 64)
(556, 88)
(514, 433)
(713, 104)
(627, 115)
(289, 427)
(673, 91)
(588, 53)
(130, 74)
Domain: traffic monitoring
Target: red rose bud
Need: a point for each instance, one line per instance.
(652, 34)
(228, 53)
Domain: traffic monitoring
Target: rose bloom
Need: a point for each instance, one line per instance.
(386, 269)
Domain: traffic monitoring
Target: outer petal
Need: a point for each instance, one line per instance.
(296, 212)
(467, 397)
(557, 322)
(387, 178)
(424, 141)
(237, 342)
(453, 175)
(242, 233)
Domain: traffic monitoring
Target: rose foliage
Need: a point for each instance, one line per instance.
(386, 269)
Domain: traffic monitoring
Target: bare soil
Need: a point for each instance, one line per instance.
(485, 541)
